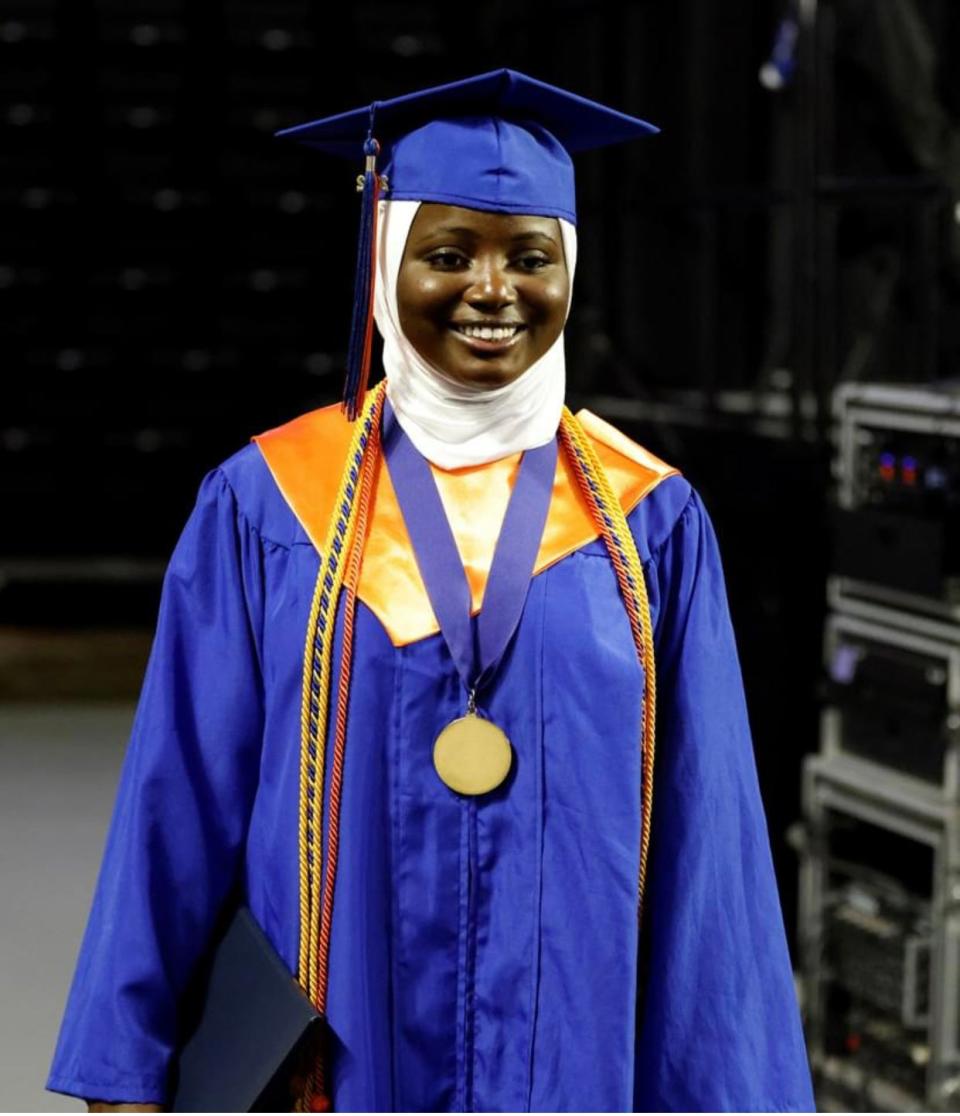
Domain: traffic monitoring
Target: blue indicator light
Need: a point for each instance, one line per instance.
(935, 477)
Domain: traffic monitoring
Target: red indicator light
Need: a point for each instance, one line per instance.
(909, 470)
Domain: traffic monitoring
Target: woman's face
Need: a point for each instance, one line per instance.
(482, 295)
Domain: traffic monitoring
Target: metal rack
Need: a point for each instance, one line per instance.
(879, 900)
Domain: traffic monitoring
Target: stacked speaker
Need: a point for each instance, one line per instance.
(879, 911)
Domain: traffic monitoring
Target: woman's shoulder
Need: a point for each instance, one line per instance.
(280, 467)
(609, 438)
(311, 443)
(654, 493)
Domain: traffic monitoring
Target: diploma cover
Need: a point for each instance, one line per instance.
(246, 1022)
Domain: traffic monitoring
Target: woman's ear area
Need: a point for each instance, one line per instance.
(561, 240)
(411, 234)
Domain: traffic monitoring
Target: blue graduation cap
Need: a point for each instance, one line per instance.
(500, 141)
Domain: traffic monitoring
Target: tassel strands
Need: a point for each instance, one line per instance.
(370, 185)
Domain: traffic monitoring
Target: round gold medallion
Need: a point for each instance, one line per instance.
(472, 755)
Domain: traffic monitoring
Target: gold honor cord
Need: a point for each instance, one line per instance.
(337, 562)
(350, 513)
(316, 687)
(612, 522)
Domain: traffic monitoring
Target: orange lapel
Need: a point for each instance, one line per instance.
(305, 457)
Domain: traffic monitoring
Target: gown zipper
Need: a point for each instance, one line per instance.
(469, 1000)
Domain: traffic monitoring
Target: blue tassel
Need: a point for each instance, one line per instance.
(361, 329)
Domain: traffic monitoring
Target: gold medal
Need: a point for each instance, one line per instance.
(472, 755)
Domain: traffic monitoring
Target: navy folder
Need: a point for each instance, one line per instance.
(247, 1023)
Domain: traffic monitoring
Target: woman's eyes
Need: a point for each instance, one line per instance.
(533, 261)
(449, 260)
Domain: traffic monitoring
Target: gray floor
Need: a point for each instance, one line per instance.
(58, 773)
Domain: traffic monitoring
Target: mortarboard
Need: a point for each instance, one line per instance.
(500, 141)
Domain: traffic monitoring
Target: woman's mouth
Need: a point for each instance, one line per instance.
(488, 338)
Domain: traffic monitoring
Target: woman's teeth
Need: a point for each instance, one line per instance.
(489, 333)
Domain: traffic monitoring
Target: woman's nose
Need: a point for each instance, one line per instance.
(491, 285)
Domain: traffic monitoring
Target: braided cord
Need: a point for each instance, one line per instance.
(316, 689)
(610, 518)
(343, 694)
(361, 469)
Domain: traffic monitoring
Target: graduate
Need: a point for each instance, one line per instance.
(445, 688)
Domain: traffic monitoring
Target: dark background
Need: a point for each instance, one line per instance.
(173, 279)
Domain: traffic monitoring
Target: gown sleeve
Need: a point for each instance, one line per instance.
(175, 840)
(718, 1024)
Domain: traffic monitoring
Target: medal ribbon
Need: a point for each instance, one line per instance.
(438, 559)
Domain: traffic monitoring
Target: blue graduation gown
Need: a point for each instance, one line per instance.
(484, 954)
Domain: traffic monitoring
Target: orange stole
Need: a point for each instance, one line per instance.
(306, 456)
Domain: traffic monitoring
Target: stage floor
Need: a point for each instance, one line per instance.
(59, 765)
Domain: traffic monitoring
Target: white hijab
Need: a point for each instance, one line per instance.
(450, 423)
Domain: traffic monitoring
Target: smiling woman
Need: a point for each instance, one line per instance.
(466, 403)
(482, 295)
(445, 690)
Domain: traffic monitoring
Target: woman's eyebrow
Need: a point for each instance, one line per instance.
(533, 234)
(463, 230)
(448, 230)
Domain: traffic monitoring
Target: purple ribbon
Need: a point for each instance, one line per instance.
(439, 561)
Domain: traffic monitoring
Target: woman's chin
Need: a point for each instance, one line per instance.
(484, 375)
(487, 370)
